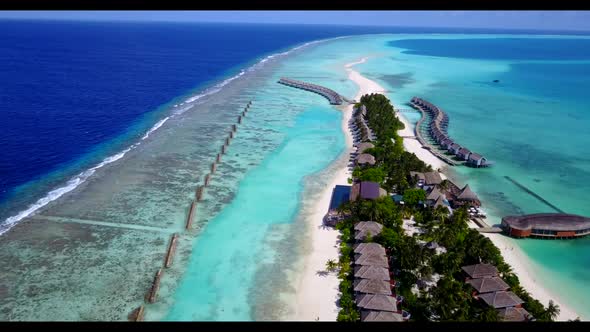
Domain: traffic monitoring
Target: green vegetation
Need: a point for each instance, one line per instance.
(449, 299)
(414, 196)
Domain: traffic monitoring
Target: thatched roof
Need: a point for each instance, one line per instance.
(501, 299)
(487, 285)
(480, 270)
(372, 226)
(432, 178)
(369, 248)
(439, 201)
(434, 194)
(376, 302)
(513, 314)
(467, 195)
(371, 272)
(372, 286)
(474, 156)
(363, 146)
(380, 316)
(419, 175)
(365, 158)
(548, 221)
(371, 260)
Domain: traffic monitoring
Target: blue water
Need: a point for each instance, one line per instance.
(72, 93)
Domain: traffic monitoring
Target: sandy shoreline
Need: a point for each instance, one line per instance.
(317, 295)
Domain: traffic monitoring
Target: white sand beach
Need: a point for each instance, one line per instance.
(317, 295)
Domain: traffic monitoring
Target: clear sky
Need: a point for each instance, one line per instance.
(545, 20)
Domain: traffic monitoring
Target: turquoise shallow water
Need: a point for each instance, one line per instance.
(249, 236)
(533, 124)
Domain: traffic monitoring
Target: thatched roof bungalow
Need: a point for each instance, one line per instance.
(369, 248)
(376, 302)
(380, 316)
(371, 260)
(488, 285)
(513, 314)
(372, 286)
(371, 272)
(502, 299)
(365, 159)
(480, 271)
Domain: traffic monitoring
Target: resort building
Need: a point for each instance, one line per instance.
(463, 154)
(476, 160)
(371, 260)
(360, 148)
(372, 272)
(514, 314)
(380, 316)
(502, 299)
(369, 248)
(376, 302)
(365, 159)
(428, 179)
(546, 225)
(372, 286)
(480, 271)
(365, 228)
(366, 190)
(466, 197)
(488, 285)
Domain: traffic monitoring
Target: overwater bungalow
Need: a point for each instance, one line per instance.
(463, 154)
(446, 143)
(546, 225)
(476, 160)
(454, 148)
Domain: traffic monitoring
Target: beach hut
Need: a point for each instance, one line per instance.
(467, 194)
(376, 302)
(371, 226)
(439, 202)
(432, 178)
(365, 159)
(380, 316)
(371, 260)
(369, 248)
(372, 286)
(477, 271)
(364, 146)
(502, 299)
(371, 272)
(512, 314)
(488, 285)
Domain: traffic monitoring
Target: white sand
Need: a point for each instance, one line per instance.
(317, 295)
(522, 267)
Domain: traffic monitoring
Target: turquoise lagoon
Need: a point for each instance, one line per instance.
(250, 237)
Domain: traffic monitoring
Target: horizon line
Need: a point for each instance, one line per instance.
(65, 19)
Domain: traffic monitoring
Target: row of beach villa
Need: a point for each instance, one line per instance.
(438, 131)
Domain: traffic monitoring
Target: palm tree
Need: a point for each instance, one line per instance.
(552, 310)
(331, 265)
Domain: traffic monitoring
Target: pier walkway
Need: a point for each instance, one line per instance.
(427, 145)
(331, 95)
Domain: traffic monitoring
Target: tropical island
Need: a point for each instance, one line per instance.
(427, 248)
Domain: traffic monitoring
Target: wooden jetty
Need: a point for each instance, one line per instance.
(155, 286)
(438, 132)
(333, 97)
(426, 145)
(171, 251)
